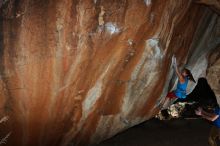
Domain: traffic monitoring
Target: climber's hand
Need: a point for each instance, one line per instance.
(198, 111)
(174, 62)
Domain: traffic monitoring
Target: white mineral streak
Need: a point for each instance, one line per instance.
(147, 2)
(81, 51)
(166, 86)
(101, 16)
(112, 28)
(156, 50)
(130, 42)
(58, 53)
(5, 139)
(111, 125)
(107, 126)
(94, 94)
(4, 119)
(68, 48)
(143, 77)
(90, 100)
(152, 17)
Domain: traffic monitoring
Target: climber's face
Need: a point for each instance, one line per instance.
(184, 73)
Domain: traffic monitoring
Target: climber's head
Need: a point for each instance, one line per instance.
(187, 73)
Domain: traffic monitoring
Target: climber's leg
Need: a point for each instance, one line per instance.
(166, 102)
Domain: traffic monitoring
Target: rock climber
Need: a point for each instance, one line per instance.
(215, 119)
(180, 92)
(202, 94)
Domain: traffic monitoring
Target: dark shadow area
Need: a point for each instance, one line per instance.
(176, 132)
(202, 94)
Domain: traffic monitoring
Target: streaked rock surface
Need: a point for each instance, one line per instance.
(213, 73)
(213, 4)
(78, 72)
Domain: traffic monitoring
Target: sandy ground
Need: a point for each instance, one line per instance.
(176, 132)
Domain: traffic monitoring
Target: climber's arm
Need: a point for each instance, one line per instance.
(209, 116)
(180, 77)
(206, 115)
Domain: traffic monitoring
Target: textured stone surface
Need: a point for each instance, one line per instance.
(213, 73)
(81, 71)
(213, 4)
(205, 48)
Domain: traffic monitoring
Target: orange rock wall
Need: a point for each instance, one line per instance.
(78, 72)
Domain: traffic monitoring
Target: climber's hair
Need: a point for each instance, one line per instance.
(189, 75)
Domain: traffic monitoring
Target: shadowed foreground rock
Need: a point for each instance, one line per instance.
(176, 132)
(78, 72)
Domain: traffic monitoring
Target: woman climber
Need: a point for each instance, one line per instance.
(180, 92)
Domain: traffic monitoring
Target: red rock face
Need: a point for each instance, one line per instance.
(81, 71)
